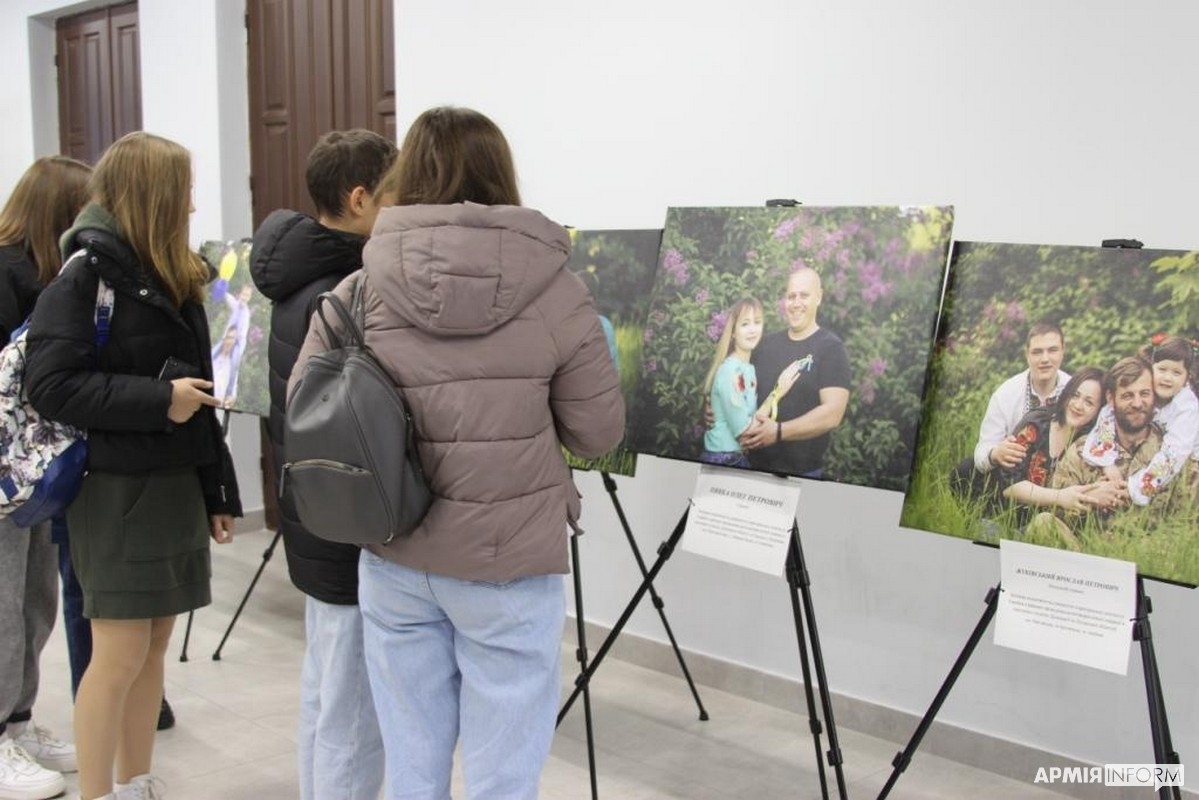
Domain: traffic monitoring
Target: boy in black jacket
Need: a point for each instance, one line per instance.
(295, 258)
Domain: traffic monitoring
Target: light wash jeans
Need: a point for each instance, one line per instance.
(340, 750)
(450, 658)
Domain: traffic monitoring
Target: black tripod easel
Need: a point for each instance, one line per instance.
(581, 657)
(1163, 748)
(187, 633)
(266, 557)
(797, 578)
(655, 598)
(583, 681)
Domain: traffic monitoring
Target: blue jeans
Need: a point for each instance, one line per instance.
(450, 658)
(340, 750)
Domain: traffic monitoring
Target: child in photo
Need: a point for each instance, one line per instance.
(224, 369)
(1177, 414)
(731, 386)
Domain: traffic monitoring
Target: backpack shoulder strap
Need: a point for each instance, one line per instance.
(105, 298)
(348, 327)
(358, 304)
(105, 301)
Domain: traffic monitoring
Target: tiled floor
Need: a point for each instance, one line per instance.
(235, 737)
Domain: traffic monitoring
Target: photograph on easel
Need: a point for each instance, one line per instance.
(1061, 407)
(618, 268)
(792, 340)
(239, 319)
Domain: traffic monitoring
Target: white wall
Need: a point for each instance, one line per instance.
(194, 90)
(1052, 122)
(1041, 120)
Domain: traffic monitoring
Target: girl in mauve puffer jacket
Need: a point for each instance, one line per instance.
(502, 359)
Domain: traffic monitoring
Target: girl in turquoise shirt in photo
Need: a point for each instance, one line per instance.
(732, 385)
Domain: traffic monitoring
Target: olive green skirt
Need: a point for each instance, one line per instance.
(139, 544)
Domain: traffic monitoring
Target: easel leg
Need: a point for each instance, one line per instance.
(581, 657)
(659, 604)
(904, 757)
(796, 578)
(664, 552)
(799, 573)
(266, 557)
(1163, 748)
(187, 635)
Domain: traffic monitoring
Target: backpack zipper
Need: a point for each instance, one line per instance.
(319, 462)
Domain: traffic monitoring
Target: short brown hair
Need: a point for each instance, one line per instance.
(341, 161)
(1043, 327)
(145, 182)
(454, 155)
(1125, 372)
(41, 207)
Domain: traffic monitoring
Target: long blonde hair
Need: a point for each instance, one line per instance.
(41, 207)
(724, 345)
(144, 181)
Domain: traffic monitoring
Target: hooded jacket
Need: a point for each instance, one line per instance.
(114, 392)
(500, 354)
(19, 288)
(294, 259)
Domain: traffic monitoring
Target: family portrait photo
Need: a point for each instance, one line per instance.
(1061, 409)
(792, 340)
(239, 317)
(618, 268)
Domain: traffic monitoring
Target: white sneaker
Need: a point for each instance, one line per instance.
(143, 787)
(22, 778)
(51, 753)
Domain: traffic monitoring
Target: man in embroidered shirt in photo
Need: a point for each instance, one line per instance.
(1045, 349)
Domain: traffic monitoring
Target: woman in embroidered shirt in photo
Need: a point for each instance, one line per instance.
(160, 481)
(1046, 433)
(1177, 414)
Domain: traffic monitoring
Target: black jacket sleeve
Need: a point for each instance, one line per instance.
(10, 313)
(61, 378)
(219, 481)
(19, 289)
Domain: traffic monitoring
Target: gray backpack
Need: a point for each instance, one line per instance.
(352, 470)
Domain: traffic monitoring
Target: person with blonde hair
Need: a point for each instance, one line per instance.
(32, 760)
(731, 387)
(502, 359)
(160, 481)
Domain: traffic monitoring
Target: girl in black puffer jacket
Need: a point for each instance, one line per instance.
(160, 480)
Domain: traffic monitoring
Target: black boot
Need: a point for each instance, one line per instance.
(166, 717)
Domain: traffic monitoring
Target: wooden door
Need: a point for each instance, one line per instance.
(99, 80)
(315, 66)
